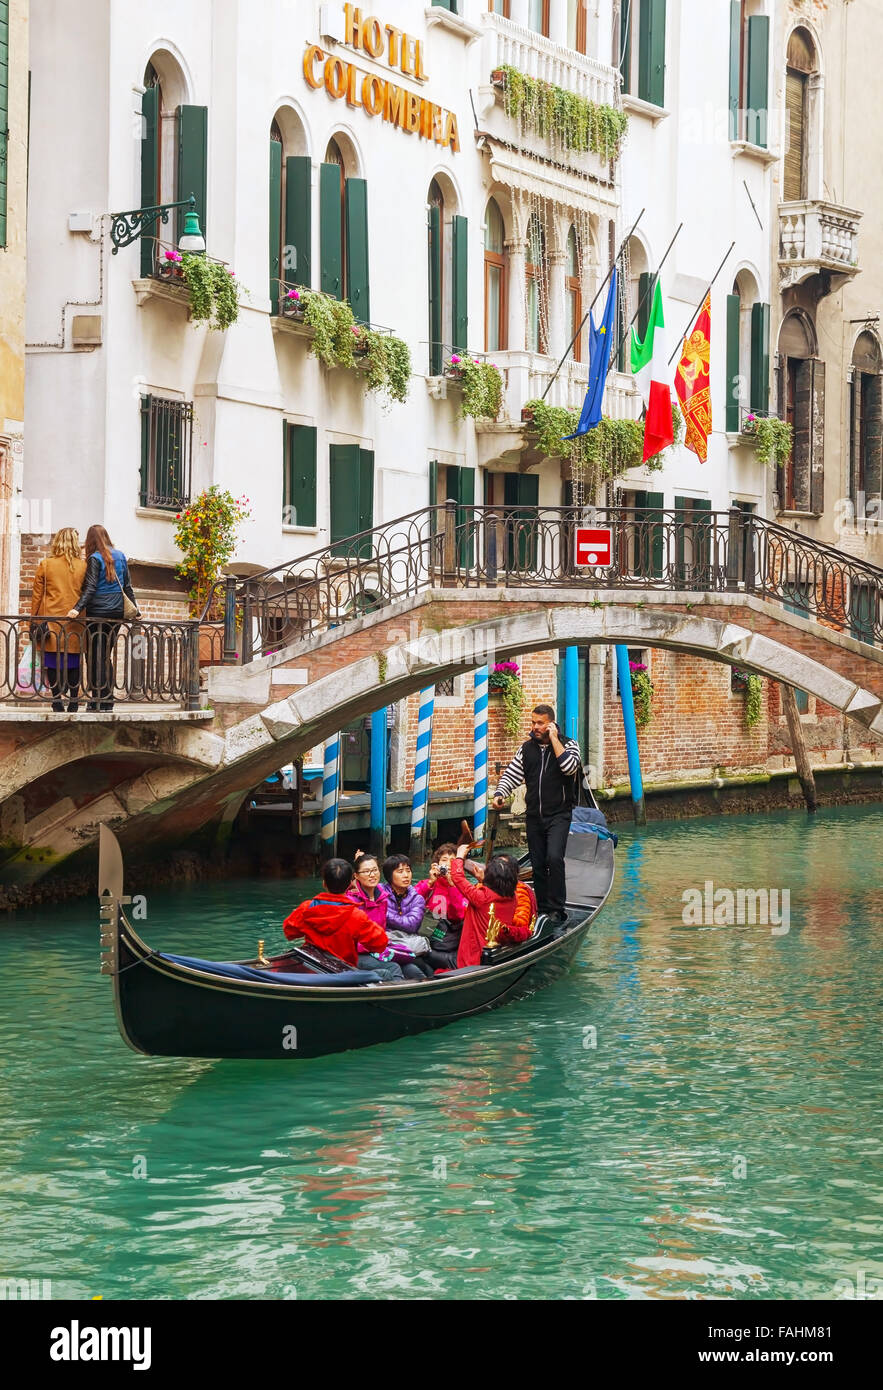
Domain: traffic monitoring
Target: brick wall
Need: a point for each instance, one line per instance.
(166, 604)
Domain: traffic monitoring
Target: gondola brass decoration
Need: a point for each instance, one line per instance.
(261, 958)
(494, 928)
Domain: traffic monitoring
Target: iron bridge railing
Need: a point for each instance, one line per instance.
(80, 664)
(488, 547)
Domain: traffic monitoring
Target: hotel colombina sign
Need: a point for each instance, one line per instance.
(381, 96)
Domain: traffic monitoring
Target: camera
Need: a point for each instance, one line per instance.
(443, 868)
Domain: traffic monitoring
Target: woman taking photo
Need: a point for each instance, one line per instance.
(101, 599)
(57, 585)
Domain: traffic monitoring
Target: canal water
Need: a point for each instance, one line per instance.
(694, 1112)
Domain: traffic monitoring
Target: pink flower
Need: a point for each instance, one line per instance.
(476, 361)
(455, 359)
(292, 294)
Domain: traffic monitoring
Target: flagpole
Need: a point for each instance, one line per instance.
(592, 305)
(614, 357)
(698, 308)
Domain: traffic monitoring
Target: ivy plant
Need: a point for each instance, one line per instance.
(339, 341)
(751, 685)
(614, 446)
(388, 363)
(580, 124)
(213, 289)
(482, 386)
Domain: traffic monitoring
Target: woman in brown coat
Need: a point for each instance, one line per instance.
(57, 586)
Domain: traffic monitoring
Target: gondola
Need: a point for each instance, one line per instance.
(301, 1003)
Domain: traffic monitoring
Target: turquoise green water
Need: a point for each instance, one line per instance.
(693, 1112)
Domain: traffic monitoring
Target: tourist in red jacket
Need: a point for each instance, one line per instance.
(499, 890)
(333, 922)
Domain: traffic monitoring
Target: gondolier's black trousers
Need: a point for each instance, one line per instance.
(547, 844)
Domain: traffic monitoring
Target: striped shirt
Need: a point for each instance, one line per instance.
(569, 761)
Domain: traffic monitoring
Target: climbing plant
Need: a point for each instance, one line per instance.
(505, 680)
(775, 439)
(642, 693)
(579, 124)
(388, 362)
(608, 450)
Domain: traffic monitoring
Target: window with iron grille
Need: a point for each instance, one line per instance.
(166, 452)
(446, 687)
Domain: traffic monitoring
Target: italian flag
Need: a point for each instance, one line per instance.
(650, 369)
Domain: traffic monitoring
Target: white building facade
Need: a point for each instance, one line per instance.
(364, 153)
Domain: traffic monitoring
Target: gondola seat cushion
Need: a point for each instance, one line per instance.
(232, 971)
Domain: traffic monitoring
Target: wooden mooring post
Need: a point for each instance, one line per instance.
(798, 747)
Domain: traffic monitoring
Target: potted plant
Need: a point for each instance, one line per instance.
(207, 535)
(214, 292)
(505, 680)
(482, 384)
(747, 684)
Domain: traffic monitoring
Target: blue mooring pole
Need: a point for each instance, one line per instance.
(571, 693)
(377, 834)
(631, 734)
(420, 799)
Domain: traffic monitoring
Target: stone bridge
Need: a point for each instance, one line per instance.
(157, 781)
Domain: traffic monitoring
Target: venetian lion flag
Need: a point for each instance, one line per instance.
(693, 386)
(650, 368)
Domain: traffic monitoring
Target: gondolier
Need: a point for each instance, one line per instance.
(547, 765)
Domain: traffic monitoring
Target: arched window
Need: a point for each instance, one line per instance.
(174, 154)
(495, 277)
(290, 249)
(801, 63)
(343, 229)
(866, 423)
(536, 286)
(437, 278)
(574, 294)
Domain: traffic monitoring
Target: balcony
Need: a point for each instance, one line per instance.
(817, 239)
(166, 281)
(519, 147)
(511, 45)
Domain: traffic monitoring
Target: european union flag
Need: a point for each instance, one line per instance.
(600, 347)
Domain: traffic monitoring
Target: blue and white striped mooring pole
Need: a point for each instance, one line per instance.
(479, 813)
(627, 700)
(377, 831)
(421, 772)
(330, 797)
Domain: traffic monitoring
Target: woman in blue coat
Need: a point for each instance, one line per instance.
(101, 599)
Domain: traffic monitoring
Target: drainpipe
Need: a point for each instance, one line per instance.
(421, 772)
(631, 734)
(377, 833)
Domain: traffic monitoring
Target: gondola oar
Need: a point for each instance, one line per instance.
(494, 825)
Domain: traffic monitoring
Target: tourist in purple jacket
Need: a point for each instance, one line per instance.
(404, 908)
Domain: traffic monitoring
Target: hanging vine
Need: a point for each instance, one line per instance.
(607, 451)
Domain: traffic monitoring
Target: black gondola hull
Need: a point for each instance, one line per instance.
(168, 1009)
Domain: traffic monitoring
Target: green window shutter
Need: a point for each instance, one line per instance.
(193, 162)
(366, 498)
(149, 170)
(464, 493)
(625, 46)
(702, 542)
(735, 66)
(649, 541)
(651, 53)
(817, 437)
(644, 280)
(344, 479)
(330, 240)
(446, 5)
(760, 357)
(433, 482)
(460, 334)
(757, 93)
(734, 311)
(681, 506)
(275, 223)
(357, 248)
(435, 307)
(297, 261)
(299, 497)
(520, 499)
(145, 449)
